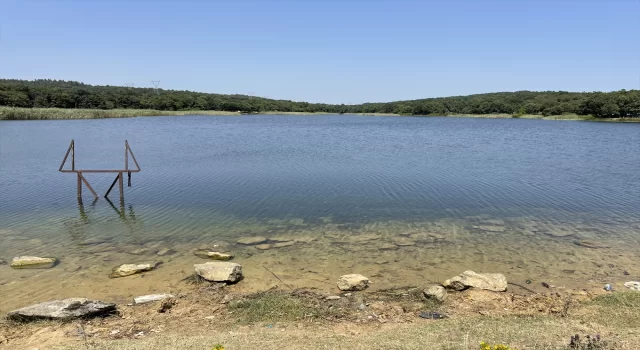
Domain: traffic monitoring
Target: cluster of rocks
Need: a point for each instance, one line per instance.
(495, 282)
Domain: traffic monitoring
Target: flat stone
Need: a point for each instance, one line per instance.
(219, 271)
(144, 299)
(208, 254)
(284, 244)
(387, 246)
(141, 251)
(94, 241)
(165, 251)
(436, 292)
(62, 310)
(33, 262)
(591, 244)
(559, 233)
(496, 282)
(633, 285)
(367, 237)
(404, 242)
(264, 246)
(490, 228)
(332, 297)
(353, 282)
(493, 222)
(125, 270)
(252, 240)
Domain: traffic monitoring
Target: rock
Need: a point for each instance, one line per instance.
(332, 297)
(496, 282)
(252, 240)
(387, 246)
(2, 262)
(33, 262)
(404, 242)
(284, 244)
(141, 251)
(63, 310)
(94, 241)
(264, 246)
(591, 244)
(151, 298)
(436, 292)
(559, 233)
(633, 285)
(490, 228)
(208, 254)
(353, 282)
(132, 269)
(165, 251)
(219, 271)
(493, 222)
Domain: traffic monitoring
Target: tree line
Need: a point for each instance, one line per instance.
(45, 93)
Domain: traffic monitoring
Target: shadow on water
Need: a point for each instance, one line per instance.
(82, 230)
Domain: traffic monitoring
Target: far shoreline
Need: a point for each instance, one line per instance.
(16, 113)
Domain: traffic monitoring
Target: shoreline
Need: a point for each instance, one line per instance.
(15, 113)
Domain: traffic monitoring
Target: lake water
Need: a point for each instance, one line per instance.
(402, 200)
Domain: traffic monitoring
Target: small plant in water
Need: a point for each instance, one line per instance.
(588, 343)
(485, 346)
(218, 347)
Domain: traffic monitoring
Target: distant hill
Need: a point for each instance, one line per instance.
(45, 93)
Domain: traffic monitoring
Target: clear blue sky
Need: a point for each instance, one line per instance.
(347, 51)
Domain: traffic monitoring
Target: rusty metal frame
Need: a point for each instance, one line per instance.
(119, 178)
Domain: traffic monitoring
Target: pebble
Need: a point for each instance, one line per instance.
(332, 297)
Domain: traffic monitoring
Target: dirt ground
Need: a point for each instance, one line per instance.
(202, 316)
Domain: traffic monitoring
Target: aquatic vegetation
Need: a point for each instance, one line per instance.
(218, 347)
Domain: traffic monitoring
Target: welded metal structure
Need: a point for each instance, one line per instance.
(119, 178)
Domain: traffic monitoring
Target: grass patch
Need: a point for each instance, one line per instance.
(618, 300)
(275, 306)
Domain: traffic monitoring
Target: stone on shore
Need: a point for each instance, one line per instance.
(252, 240)
(332, 297)
(144, 299)
(633, 285)
(125, 270)
(353, 282)
(33, 262)
(496, 282)
(436, 292)
(209, 254)
(219, 271)
(62, 310)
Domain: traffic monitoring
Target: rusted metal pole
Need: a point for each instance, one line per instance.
(73, 155)
(120, 184)
(87, 184)
(79, 185)
(126, 155)
(111, 187)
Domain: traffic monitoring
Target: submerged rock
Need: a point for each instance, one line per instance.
(283, 244)
(141, 251)
(591, 244)
(144, 299)
(496, 282)
(209, 254)
(404, 242)
(490, 228)
(219, 271)
(353, 282)
(436, 292)
(2, 262)
(125, 270)
(62, 310)
(165, 251)
(252, 240)
(264, 246)
(33, 262)
(633, 285)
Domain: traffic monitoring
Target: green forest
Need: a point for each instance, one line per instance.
(45, 93)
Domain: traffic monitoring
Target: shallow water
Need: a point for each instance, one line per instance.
(402, 200)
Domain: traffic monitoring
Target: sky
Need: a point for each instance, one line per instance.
(349, 51)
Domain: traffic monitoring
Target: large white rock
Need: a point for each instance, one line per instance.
(436, 292)
(353, 282)
(132, 269)
(143, 299)
(33, 262)
(219, 271)
(633, 285)
(496, 282)
(63, 309)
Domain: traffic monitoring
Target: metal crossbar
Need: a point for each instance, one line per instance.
(119, 178)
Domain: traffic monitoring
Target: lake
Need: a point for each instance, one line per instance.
(402, 200)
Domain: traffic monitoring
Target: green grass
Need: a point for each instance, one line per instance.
(12, 113)
(271, 307)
